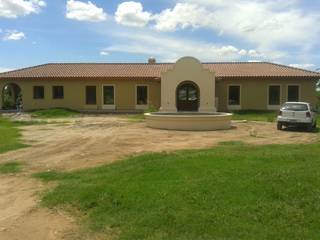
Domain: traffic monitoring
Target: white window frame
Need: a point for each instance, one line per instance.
(141, 106)
(234, 107)
(274, 107)
(109, 106)
(287, 90)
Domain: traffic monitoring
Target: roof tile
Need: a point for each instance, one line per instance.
(127, 70)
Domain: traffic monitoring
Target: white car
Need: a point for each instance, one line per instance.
(297, 114)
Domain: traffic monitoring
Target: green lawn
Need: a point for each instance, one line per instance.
(54, 113)
(136, 117)
(11, 167)
(10, 135)
(233, 191)
(250, 115)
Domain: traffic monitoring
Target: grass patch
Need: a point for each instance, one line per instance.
(10, 167)
(232, 143)
(252, 115)
(233, 191)
(54, 113)
(140, 117)
(136, 117)
(9, 136)
(29, 123)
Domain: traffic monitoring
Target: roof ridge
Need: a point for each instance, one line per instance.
(144, 63)
(101, 63)
(236, 62)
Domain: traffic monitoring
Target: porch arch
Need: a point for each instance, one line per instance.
(11, 96)
(191, 69)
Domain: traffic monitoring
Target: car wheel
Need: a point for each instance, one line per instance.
(310, 127)
(279, 126)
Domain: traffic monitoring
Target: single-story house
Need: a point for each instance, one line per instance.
(186, 85)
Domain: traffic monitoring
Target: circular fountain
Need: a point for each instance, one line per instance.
(188, 121)
(188, 99)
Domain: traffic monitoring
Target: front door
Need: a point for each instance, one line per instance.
(188, 97)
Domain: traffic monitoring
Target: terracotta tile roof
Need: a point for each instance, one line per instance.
(127, 70)
(258, 69)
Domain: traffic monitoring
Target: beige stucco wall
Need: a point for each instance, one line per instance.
(254, 91)
(74, 93)
(188, 69)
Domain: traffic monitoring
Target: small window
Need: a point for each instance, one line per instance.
(57, 92)
(293, 93)
(142, 95)
(108, 95)
(38, 92)
(91, 95)
(234, 95)
(274, 95)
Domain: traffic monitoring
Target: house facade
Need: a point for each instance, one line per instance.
(187, 85)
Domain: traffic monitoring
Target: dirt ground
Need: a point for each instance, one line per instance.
(89, 141)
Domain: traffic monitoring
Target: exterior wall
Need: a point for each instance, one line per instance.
(75, 95)
(188, 69)
(254, 92)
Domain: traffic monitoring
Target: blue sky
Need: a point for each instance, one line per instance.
(41, 31)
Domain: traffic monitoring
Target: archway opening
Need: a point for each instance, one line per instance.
(11, 97)
(188, 95)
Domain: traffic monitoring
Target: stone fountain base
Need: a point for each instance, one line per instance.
(189, 121)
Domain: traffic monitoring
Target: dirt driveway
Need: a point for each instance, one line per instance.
(89, 141)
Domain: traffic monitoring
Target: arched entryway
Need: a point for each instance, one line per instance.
(11, 96)
(188, 96)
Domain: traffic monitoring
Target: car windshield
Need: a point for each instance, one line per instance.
(295, 107)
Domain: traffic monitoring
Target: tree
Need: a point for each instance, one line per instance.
(318, 93)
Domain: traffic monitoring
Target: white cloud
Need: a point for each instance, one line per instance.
(227, 50)
(268, 24)
(82, 11)
(254, 61)
(13, 35)
(16, 8)
(270, 27)
(183, 15)
(132, 14)
(308, 66)
(170, 49)
(104, 53)
(254, 53)
(243, 52)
